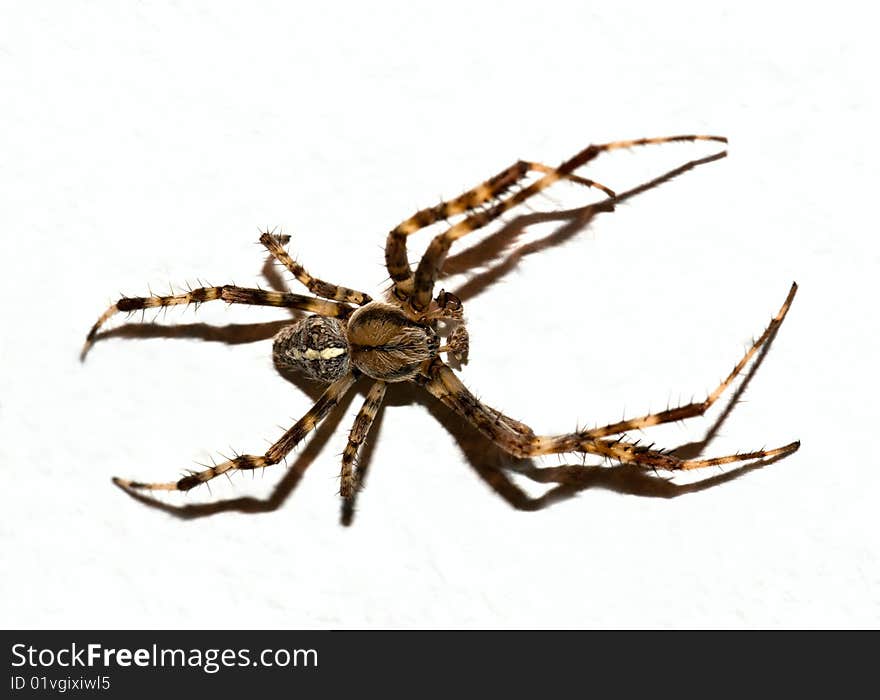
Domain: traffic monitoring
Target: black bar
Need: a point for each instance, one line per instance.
(263, 664)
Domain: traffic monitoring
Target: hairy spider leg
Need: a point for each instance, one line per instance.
(519, 440)
(432, 261)
(316, 286)
(278, 451)
(435, 255)
(228, 293)
(697, 409)
(395, 248)
(350, 477)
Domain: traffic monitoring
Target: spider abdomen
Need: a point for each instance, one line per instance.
(315, 346)
(385, 344)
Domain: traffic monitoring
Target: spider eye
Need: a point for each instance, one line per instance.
(315, 346)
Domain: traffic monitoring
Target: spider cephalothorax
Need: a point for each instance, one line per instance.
(350, 335)
(386, 344)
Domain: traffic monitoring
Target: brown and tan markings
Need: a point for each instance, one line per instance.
(349, 335)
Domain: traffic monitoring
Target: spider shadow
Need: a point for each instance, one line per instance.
(497, 245)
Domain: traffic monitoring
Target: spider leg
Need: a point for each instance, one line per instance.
(350, 479)
(228, 293)
(327, 401)
(697, 409)
(395, 249)
(633, 453)
(435, 255)
(519, 440)
(316, 286)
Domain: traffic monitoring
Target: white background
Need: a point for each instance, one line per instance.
(144, 144)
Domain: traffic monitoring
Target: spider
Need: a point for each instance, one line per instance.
(398, 339)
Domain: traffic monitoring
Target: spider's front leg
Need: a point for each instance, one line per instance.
(278, 451)
(432, 261)
(492, 189)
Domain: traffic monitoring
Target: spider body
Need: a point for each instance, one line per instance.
(377, 340)
(349, 335)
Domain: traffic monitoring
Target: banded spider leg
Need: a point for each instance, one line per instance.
(520, 441)
(278, 451)
(417, 288)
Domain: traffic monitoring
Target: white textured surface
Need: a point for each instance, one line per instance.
(145, 144)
